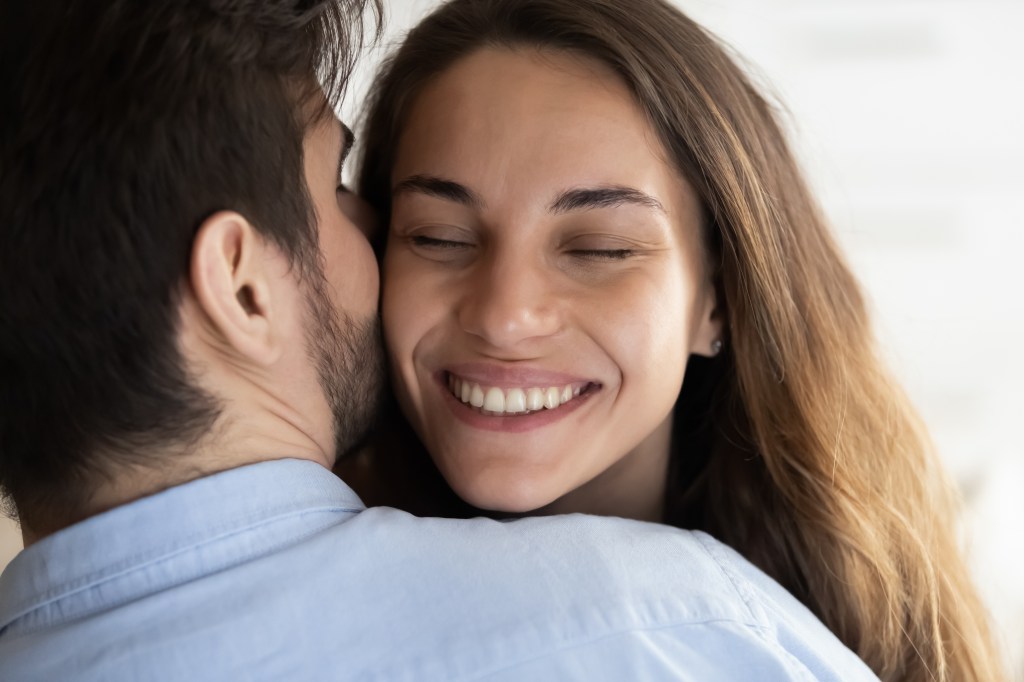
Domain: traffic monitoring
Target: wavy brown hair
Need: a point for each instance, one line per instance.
(800, 451)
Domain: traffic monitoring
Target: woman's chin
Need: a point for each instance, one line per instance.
(504, 494)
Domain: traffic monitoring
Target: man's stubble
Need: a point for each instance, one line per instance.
(349, 358)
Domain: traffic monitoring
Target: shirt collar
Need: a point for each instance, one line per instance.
(108, 545)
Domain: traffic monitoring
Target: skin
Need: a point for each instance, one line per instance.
(345, 223)
(251, 330)
(246, 324)
(567, 251)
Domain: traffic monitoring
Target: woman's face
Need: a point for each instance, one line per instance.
(544, 282)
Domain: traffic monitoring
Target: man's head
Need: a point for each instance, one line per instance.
(175, 259)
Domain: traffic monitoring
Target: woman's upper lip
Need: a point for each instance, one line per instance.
(511, 376)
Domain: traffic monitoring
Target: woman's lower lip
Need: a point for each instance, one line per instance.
(511, 423)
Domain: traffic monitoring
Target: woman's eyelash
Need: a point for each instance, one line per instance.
(603, 254)
(433, 243)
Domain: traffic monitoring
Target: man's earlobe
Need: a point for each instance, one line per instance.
(232, 279)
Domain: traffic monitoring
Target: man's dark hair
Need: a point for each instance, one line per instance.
(124, 125)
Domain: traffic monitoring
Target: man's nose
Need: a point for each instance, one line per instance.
(362, 215)
(509, 302)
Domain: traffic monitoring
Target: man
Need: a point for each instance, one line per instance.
(188, 343)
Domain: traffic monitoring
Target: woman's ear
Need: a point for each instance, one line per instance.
(233, 280)
(709, 317)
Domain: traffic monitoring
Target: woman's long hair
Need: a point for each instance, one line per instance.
(805, 456)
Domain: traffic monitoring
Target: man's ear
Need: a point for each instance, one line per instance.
(234, 278)
(709, 318)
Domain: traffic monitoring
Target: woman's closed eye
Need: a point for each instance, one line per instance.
(437, 243)
(441, 244)
(602, 247)
(602, 254)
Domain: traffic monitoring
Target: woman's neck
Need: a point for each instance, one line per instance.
(632, 488)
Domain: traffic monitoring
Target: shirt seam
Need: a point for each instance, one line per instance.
(763, 628)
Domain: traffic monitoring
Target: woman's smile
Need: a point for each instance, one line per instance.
(502, 402)
(490, 397)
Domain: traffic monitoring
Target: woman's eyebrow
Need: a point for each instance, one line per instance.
(602, 197)
(440, 188)
(576, 199)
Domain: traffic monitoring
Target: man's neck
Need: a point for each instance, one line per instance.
(116, 489)
(232, 449)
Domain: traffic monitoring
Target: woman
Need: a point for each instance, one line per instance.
(588, 201)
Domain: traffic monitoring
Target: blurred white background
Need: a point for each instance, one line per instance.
(909, 118)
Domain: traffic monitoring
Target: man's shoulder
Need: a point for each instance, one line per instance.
(578, 553)
(599, 590)
(278, 572)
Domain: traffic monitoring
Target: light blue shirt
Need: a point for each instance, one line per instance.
(276, 571)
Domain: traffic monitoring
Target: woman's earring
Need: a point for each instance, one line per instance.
(716, 346)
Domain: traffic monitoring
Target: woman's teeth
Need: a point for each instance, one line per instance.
(513, 400)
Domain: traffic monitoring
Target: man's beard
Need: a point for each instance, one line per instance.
(349, 359)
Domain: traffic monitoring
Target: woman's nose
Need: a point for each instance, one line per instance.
(508, 303)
